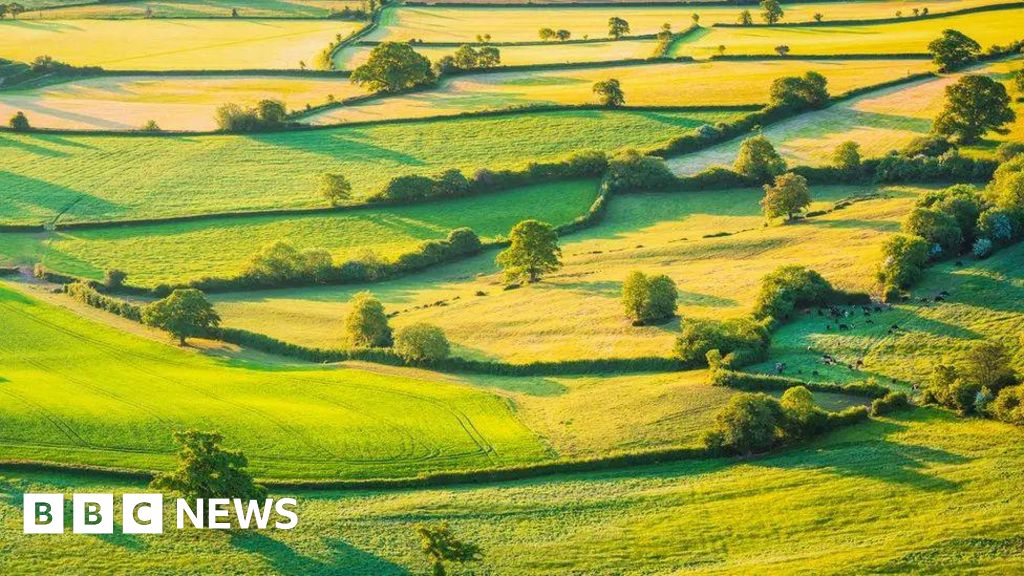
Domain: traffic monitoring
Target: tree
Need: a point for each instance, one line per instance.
(15, 9)
(745, 18)
(903, 260)
(987, 364)
(19, 123)
(787, 196)
(631, 171)
(609, 92)
(937, 228)
(206, 470)
(721, 49)
(185, 313)
(533, 250)
(1018, 80)
(563, 34)
(974, 106)
(393, 66)
(758, 160)
(846, 157)
(747, 424)
(335, 188)
(649, 299)
(771, 11)
(818, 16)
(3, 11)
(665, 34)
(782, 49)
(696, 19)
(114, 278)
(617, 27)
(421, 341)
(807, 91)
(547, 34)
(953, 49)
(440, 545)
(367, 324)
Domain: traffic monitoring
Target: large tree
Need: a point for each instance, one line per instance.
(771, 11)
(609, 92)
(393, 66)
(787, 196)
(758, 160)
(807, 91)
(206, 470)
(649, 299)
(953, 49)
(533, 250)
(974, 106)
(185, 313)
(617, 27)
(367, 324)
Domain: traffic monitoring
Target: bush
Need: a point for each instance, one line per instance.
(631, 171)
(846, 158)
(740, 340)
(800, 92)
(114, 278)
(758, 160)
(982, 248)
(1009, 150)
(931, 145)
(958, 383)
(267, 115)
(281, 263)
(788, 287)
(1008, 405)
(366, 325)
(18, 122)
(649, 299)
(891, 402)
(748, 424)
(88, 295)
(904, 257)
(420, 342)
(936, 228)
(998, 225)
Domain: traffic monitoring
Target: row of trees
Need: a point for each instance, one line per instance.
(468, 57)
(14, 9)
(265, 116)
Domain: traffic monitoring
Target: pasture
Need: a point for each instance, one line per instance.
(177, 252)
(987, 28)
(173, 102)
(172, 44)
(521, 23)
(675, 84)
(89, 178)
(192, 9)
(575, 313)
(76, 391)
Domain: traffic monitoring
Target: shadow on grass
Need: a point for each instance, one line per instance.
(343, 557)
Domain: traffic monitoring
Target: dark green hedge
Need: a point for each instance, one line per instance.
(751, 382)
(889, 20)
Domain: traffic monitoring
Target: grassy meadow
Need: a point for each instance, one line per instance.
(176, 252)
(173, 102)
(987, 28)
(172, 44)
(575, 312)
(88, 178)
(192, 9)
(921, 492)
(675, 84)
(521, 23)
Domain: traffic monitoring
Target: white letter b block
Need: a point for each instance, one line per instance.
(43, 513)
(92, 514)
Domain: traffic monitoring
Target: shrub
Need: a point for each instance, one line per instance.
(421, 341)
(18, 122)
(904, 257)
(798, 92)
(957, 382)
(891, 402)
(998, 225)
(982, 248)
(267, 115)
(649, 299)
(1008, 405)
(463, 241)
(1009, 150)
(788, 287)
(403, 188)
(740, 340)
(930, 145)
(846, 158)
(366, 325)
(631, 171)
(936, 228)
(114, 278)
(758, 160)
(281, 263)
(748, 424)
(962, 202)
(88, 295)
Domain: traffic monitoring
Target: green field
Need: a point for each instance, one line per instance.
(521, 23)
(879, 121)
(76, 391)
(177, 252)
(575, 312)
(86, 178)
(174, 103)
(172, 44)
(195, 9)
(678, 84)
(987, 28)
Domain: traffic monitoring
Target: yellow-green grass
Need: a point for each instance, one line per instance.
(576, 312)
(522, 23)
(987, 28)
(350, 58)
(117, 177)
(678, 84)
(196, 9)
(174, 102)
(984, 303)
(177, 252)
(879, 122)
(923, 492)
(74, 391)
(172, 44)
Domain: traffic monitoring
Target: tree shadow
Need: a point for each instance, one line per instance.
(343, 557)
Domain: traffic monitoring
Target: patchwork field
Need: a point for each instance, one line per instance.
(575, 313)
(880, 121)
(677, 84)
(521, 23)
(174, 102)
(987, 28)
(172, 44)
(193, 9)
(176, 252)
(83, 178)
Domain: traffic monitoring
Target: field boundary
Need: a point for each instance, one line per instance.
(879, 21)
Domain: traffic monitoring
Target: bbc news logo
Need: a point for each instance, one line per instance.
(144, 513)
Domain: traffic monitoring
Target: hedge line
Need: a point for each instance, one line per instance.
(872, 21)
(87, 294)
(592, 4)
(752, 382)
(516, 43)
(887, 56)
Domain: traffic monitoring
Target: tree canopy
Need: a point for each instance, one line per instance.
(953, 49)
(206, 470)
(185, 313)
(974, 105)
(393, 66)
(787, 196)
(532, 252)
(610, 93)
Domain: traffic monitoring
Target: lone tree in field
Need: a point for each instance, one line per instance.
(335, 188)
(367, 324)
(974, 106)
(846, 158)
(953, 49)
(818, 16)
(771, 11)
(609, 92)
(19, 123)
(786, 197)
(441, 546)
(745, 18)
(205, 470)
(546, 34)
(649, 299)
(532, 252)
(758, 160)
(393, 66)
(562, 34)
(421, 341)
(807, 91)
(185, 313)
(782, 49)
(617, 27)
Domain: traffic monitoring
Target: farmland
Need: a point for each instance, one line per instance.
(191, 9)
